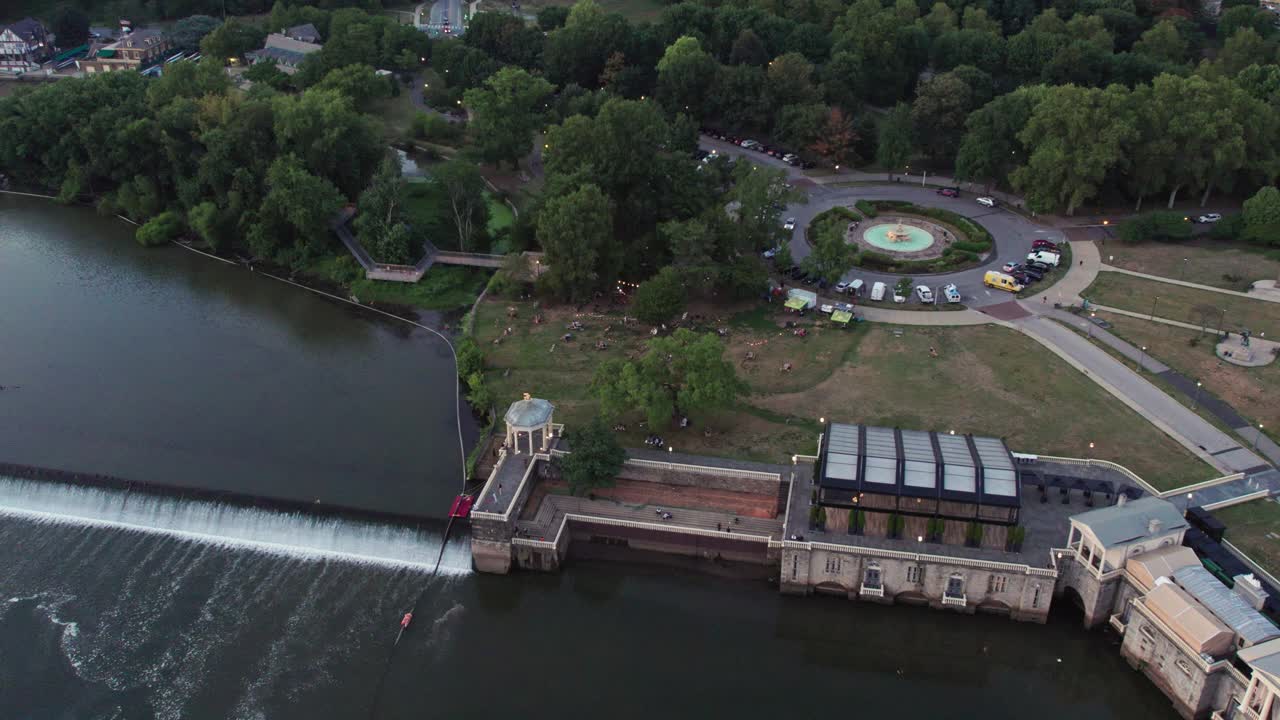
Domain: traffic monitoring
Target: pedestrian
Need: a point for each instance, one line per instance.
(1044, 298)
(1082, 263)
(718, 527)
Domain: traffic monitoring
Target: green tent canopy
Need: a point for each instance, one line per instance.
(796, 303)
(842, 316)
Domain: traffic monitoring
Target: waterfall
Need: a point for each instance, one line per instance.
(275, 531)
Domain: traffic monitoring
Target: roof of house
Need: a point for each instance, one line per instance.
(283, 42)
(305, 32)
(26, 28)
(529, 413)
(1123, 523)
(1148, 566)
(1264, 657)
(140, 39)
(1252, 626)
(1189, 620)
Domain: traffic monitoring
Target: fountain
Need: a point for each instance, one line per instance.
(898, 237)
(898, 234)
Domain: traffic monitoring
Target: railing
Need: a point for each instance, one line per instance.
(1094, 462)
(1117, 624)
(916, 557)
(505, 515)
(705, 469)
(1202, 485)
(954, 600)
(674, 529)
(871, 591)
(1237, 500)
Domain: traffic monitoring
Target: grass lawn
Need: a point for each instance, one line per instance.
(986, 380)
(500, 216)
(1251, 391)
(1254, 527)
(444, 287)
(1183, 303)
(1232, 267)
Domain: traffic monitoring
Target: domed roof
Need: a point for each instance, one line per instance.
(529, 412)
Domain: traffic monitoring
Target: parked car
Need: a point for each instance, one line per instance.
(951, 293)
(826, 309)
(1034, 273)
(1042, 244)
(877, 291)
(1045, 257)
(842, 286)
(791, 159)
(1000, 281)
(949, 192)
(1010, 267)
(898, 298)
(749, 144)
(768, 254)
(924, 294)
(790, 224)
(987, 201)
(1209, 218)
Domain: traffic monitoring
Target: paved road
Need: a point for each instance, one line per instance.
(1013, 233)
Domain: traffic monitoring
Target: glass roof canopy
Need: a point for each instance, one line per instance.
(919, 464)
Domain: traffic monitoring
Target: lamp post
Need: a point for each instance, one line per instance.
(1196, 400)
(1183, 274)
(1092, 315)
(1257, 437)
(1187, 509)
(1154, 300)
(1142, 359)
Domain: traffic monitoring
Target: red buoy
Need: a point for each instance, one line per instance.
(404, 622)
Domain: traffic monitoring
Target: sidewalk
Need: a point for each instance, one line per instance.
(1087, 262)
(1201, 438)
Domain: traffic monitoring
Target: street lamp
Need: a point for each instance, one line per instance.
(1196, 400)
(1092, 315)
(1183, 274)
(1257, 437)
(1154, 300)
(1142, 358)
(1188, 507)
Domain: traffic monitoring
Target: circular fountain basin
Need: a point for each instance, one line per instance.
(916, 240)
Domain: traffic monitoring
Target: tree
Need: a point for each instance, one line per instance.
(789, 81)
(464, 188)
(292, 223)
(1077, 136)
(832, 255)
(160, 229)
(1246, 47)
(990, 149)
(894, 144)
(1262, 216)
(576, 233)
(552, 17)
(677, 375)
(70, 26)
(1163, 42)
(189, 31)
(686, 74)
(736, 96)
(578, 51)
(268, 73)
(506, 112)
(595, 457)
(748, 49)
(836, 140)
(380, 224)
(358, 82)
(232, 39)
(661, 297)
(943, 104)
(759, 192)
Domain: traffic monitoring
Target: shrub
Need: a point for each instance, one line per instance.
(1230, 227)
(661, 297)
(160, 229)
(433, 127)
(973, 247)
(866, 207)
(1160, 226)
(470, 359)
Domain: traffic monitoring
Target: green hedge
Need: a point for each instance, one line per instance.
(866, 207)
(973, 247)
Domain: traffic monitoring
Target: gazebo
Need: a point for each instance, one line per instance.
(529, 415)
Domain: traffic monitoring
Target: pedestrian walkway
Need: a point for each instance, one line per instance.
(1265, 297)
(1086, 263)
(1174, 419)
(1090, 329)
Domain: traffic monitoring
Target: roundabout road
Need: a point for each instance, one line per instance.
(1013, 233)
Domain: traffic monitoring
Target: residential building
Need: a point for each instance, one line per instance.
(137, 50)
(24, 45)
(306, 33)
(287, 52)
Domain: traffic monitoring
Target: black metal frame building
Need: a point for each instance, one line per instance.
(914, 472)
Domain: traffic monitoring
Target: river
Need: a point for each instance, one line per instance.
(166, 366)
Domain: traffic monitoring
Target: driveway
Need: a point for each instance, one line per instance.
(1012, 233)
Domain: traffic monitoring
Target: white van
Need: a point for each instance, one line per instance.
(1044, 256)
(855, 288)
(877, 291)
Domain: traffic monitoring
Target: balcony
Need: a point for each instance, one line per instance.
(876, 591)
(953, 600)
